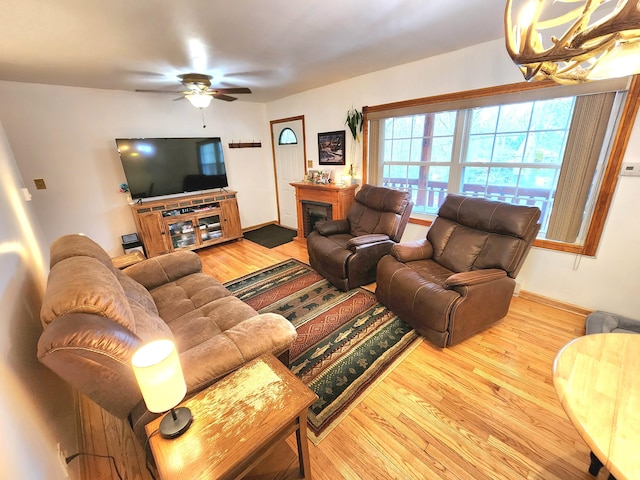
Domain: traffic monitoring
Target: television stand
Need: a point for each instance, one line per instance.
(188, 222)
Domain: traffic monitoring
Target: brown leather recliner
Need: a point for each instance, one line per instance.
(459, 280)
(347, 251)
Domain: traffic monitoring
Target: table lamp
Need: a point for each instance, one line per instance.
(157, 368)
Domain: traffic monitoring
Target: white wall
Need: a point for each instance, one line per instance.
(606, 282)
(29, 392)
(66, 136)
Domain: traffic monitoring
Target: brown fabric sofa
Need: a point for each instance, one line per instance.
(346, 252)
(459, 280)
(96, 316)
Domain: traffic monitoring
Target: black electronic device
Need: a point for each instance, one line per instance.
(165, 166)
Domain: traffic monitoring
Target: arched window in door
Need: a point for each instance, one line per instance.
(287, 137)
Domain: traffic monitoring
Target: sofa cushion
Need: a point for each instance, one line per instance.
(214, 318)
(220, 354)
(175, 299)
(68, 292)
(73, 245)
(161, 270)
(136, 293)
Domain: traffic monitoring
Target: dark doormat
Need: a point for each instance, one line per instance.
(271, 235)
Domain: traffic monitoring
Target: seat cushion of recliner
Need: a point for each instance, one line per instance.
(415, 291)
(330, 253)
(175, 299)
(430, 271)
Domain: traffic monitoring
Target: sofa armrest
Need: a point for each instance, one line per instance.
(411, 251)
(366, 240)
(93, 354)
(332, 227)
(475, 277)
(157, 271)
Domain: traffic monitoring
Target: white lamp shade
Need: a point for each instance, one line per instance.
(157, 368)
(199, 100)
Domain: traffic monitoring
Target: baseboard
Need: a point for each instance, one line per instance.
(255, 227)
(550, 302)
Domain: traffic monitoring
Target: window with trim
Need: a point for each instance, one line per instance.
(545, 147)
(287, 137)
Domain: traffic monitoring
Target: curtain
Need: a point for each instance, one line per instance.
(588, 128)
(375, 167)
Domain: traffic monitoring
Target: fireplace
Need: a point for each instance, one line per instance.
(321, 202)
(313, 212)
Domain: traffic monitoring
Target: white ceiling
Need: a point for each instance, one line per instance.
(274, 47)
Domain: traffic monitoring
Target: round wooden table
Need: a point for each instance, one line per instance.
(597, 379)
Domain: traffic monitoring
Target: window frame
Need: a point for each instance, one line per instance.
(612, 166)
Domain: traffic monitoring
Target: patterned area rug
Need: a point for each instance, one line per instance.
(346, 340)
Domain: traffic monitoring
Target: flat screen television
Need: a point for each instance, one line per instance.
(165, 166)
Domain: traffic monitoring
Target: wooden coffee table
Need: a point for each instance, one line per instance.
(236, 422)
(596, 378)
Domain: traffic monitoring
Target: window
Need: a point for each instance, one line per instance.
(287, 137)
(541, 147)
(506, 152)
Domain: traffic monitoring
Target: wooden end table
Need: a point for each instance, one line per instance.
(596, 378)
(236, 422)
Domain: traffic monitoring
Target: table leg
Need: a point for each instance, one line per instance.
(303, 446)
(595, 466)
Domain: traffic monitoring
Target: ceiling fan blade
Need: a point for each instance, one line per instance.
(161, 91)
(232, 90)
(226, 98)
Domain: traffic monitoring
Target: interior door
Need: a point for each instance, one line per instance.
(289, 162)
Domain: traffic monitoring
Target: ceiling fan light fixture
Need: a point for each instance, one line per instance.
(199, 100)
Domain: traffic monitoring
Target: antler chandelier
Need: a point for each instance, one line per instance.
(609, 47)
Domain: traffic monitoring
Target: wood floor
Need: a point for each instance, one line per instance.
(484, 409)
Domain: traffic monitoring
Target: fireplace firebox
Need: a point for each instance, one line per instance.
(313, 212)
(323, 202)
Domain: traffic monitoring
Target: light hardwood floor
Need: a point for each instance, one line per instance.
(484, 409)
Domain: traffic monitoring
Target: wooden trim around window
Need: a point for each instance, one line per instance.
(612, 168)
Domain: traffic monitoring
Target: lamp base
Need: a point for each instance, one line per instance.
(176, 422)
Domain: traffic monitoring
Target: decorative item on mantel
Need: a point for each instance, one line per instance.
(252, 144)
(355, 122)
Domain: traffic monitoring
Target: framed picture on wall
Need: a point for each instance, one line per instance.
(331, 148)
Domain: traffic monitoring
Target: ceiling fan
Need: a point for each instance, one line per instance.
(199, 92)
